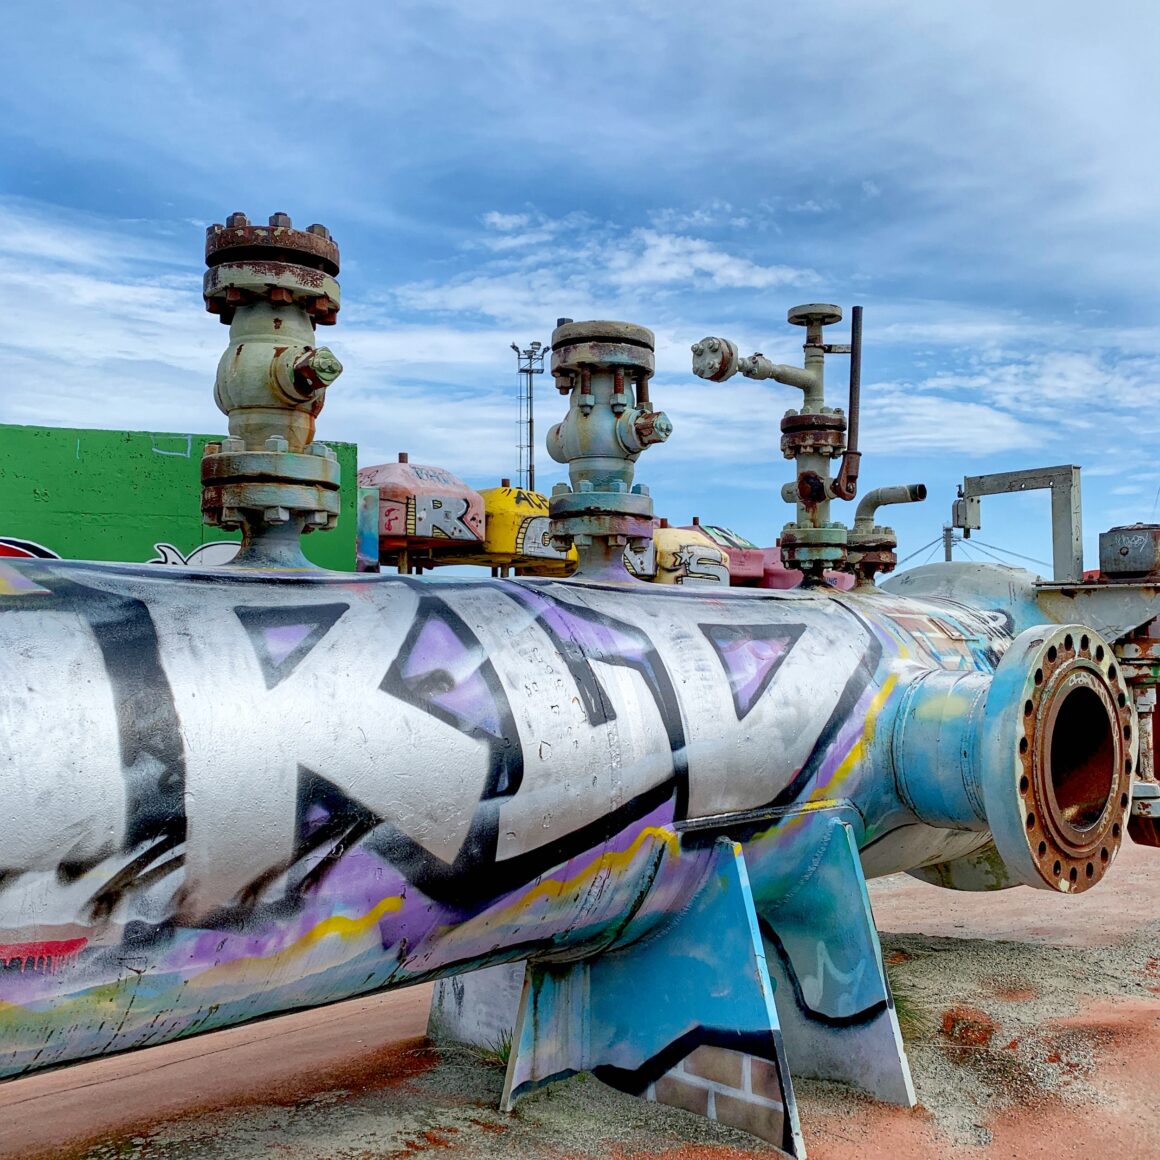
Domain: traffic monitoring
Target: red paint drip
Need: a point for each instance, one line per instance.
(42, 956)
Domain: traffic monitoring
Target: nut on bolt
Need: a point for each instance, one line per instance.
(653, 427)
(316, 370)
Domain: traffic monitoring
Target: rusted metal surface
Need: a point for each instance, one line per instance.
(1076, 753)
(240, 241)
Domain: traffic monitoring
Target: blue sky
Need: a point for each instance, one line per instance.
(982, 178)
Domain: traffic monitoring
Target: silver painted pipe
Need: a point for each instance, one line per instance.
(232, 793)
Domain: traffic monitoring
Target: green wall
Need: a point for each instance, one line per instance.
(115, 495)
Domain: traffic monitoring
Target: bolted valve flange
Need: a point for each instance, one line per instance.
(604, 368)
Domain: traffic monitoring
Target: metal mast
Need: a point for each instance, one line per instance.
(529, 362)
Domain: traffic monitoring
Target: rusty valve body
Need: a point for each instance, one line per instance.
(273, 285)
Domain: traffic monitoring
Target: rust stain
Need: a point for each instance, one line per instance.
(968, 1026)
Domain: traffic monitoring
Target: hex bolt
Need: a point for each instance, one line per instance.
(318, 230)
(237, 221)
(277, 443)
(276, 515)
(281, 219)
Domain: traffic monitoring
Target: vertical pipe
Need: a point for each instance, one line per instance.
(531, 435)
(855, 378)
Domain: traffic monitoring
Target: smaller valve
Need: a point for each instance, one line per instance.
(813, 435)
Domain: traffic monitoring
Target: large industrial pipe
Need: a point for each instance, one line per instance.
(232, 794)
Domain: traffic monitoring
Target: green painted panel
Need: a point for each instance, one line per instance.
(133, 496)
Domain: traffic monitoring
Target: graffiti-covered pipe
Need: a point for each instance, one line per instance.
(228, 795)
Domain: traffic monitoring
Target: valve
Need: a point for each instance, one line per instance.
(273, 285)
(601, 510)
(814, 436)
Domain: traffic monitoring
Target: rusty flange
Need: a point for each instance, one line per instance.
(276, 263)
(809, 433)
(601, 343)
(1072, 744)
(871, 552)
(240, 241)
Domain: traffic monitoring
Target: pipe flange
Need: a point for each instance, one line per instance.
(1060, 751)
(234, 284)
(275, 263)
(240, 241)
(715, 359)
(813, 549)
(600, 343)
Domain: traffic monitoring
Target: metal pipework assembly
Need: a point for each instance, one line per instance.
(273, 285)
(1041, 753)
(604, 368)
(870, 547)
(814, 436)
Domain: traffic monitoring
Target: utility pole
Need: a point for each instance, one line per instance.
(529, 362)
(948, 541)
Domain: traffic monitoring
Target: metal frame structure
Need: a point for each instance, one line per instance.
(1066, 517)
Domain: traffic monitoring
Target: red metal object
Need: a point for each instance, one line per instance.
(423, 510)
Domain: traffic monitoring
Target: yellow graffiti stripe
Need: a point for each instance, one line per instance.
(347, 927)
(337, 924)
(553, 888)
(860, 747)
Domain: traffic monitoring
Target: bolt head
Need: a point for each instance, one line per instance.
(237, 221)
(281, 220)
(277, 443)
(276, 515)
(320, 231)
(561, 489)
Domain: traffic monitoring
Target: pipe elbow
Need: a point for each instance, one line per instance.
(881, 496)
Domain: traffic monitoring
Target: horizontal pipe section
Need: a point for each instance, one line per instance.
(232, 794)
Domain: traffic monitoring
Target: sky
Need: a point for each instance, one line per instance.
(982, 178)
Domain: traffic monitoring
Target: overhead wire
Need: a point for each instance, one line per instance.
(1007, 551)
(936, 540)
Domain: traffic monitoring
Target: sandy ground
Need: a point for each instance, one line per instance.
(1032, 1020)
